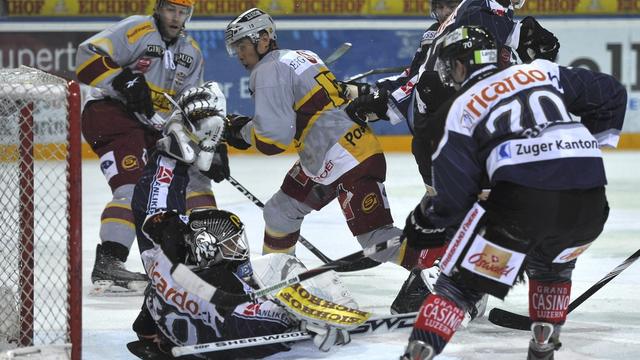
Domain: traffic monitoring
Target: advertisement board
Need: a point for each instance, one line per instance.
(311, 8)
(611, 47)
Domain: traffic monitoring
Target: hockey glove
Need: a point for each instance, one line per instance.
(431, 90)
(167, 229)
(233, 124)
(421, 233)
(362, 106)
(351, 90)
(326, 336)
(219, 169)
(134, 89)
(536, 42)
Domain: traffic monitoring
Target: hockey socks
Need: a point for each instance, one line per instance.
(548, 302)
(438, 319)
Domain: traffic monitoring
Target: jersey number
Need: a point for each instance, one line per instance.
(327, 81)
(546, 107)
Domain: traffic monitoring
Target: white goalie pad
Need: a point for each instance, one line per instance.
(272, 268)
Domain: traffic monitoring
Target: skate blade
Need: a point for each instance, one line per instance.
(109, 288)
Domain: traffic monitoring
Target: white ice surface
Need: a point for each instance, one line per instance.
(606, 326)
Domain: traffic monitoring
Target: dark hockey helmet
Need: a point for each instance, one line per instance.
(250, 24)
(215, 236)
(473, 46)
(441, 9)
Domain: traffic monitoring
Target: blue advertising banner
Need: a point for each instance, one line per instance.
(371, 49)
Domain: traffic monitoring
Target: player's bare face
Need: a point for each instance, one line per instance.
(246, 53)
(443, 10)
(172, 19)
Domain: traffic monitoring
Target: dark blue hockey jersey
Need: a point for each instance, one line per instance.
(515, 125)
(487, 13)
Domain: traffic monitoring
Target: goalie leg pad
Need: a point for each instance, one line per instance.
(275, 267)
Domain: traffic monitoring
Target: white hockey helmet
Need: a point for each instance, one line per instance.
(215, 236)
(249, 24)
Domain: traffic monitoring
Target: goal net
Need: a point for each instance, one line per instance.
(40, 221)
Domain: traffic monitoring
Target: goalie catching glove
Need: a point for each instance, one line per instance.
(203, 101)
(196, 138)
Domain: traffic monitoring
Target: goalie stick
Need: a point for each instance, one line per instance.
(195, 285)
(363, 264)
(337, 53)
(512, 320)
(381, 324)
(385, 70)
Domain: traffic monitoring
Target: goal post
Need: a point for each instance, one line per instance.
(40, 198)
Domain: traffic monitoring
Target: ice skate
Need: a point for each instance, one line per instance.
(414, 290)
(545, 341)
(418, 350)
(109, 275)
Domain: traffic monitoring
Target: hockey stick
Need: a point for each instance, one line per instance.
(386, 70)
(260, 204)
(511, 320)
(195, 285)
(337, 54)
(365, 263)
(385, 323)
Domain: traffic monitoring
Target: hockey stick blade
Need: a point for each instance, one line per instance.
(376, 325)
(386, 70)
(337, 54)
(515, 321)
(195, 285)
(365, 263)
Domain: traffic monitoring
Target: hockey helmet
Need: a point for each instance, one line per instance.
(215, 236)
(438, 7)
(249, 24)
(473, 46)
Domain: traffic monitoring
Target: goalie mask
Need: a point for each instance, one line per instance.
(248, 25)
(472, 46)
(215, 236)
